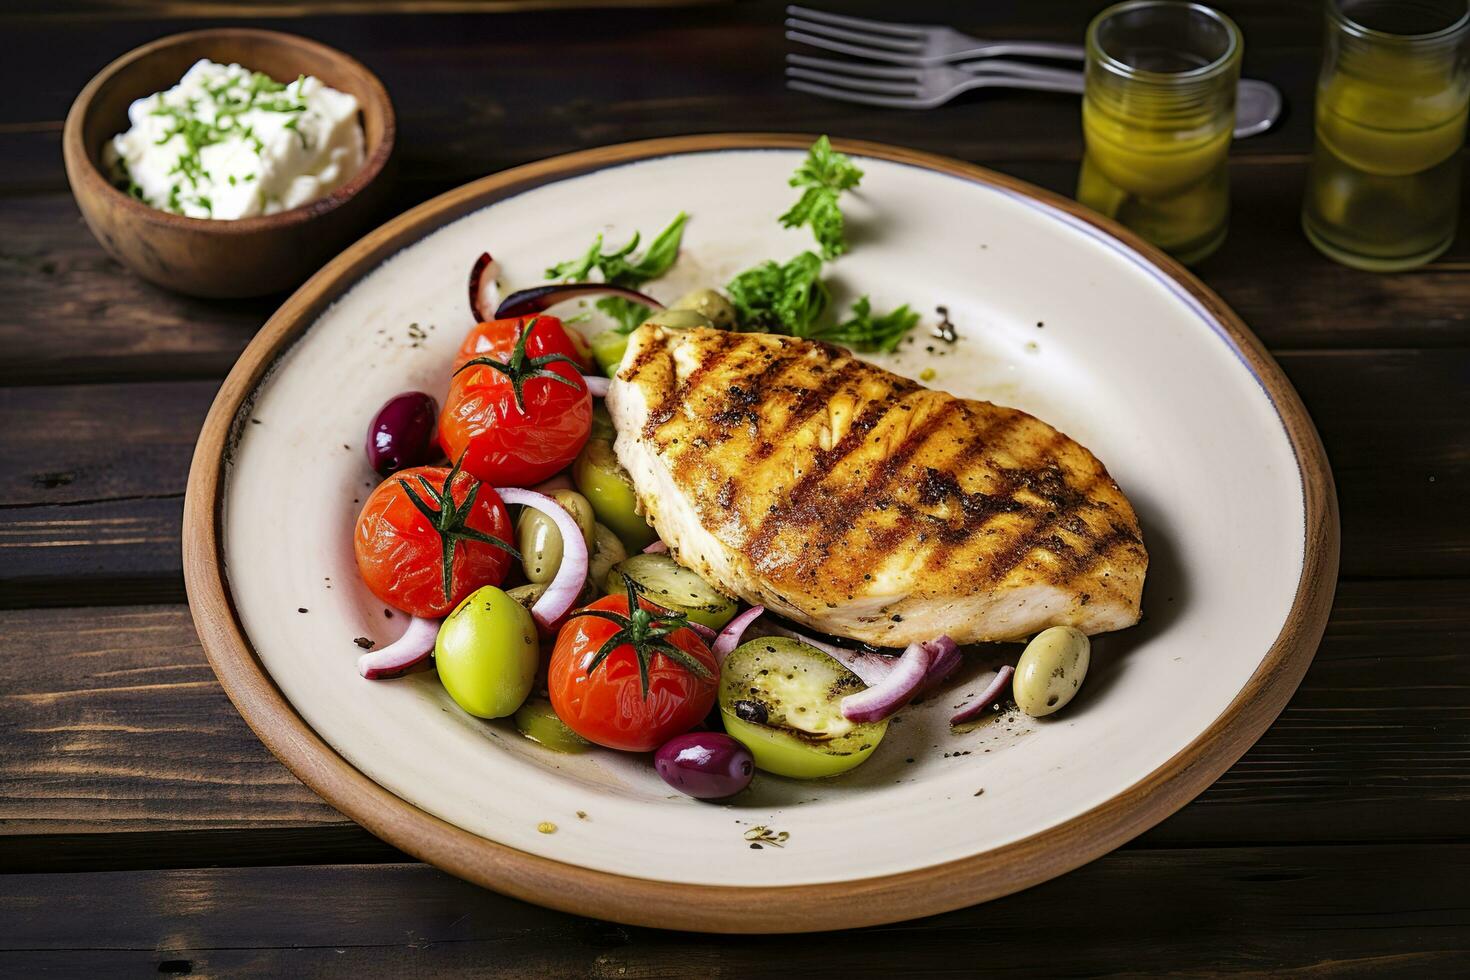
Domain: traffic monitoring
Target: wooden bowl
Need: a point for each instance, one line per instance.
(223, 258)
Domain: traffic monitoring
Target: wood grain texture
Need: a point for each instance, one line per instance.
(82, 505)
(117, 732)
(1331, 911)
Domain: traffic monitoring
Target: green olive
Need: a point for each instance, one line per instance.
(538, 721)
(527, 595)
(710, 302)
(487, 654)
(676, 319)
(608, 348)
(607, 551)
(539, 540)
(609, 489)
(1051, 670)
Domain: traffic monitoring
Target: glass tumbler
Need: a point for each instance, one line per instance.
(1157, 114)
(1384, 186)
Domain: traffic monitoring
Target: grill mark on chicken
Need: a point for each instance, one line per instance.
(983, 522)
(798, 502)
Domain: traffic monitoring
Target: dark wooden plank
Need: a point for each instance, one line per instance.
(477, 94)
(122, 752)
(93, 476)
(1331, 910)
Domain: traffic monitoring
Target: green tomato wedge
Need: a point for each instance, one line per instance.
(781, 699)
(608, 349)
(663, 580)
(537, 720)
(487, 654)
(603, 481)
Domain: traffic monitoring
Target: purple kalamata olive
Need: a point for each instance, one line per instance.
(402, 433)
(705, 765)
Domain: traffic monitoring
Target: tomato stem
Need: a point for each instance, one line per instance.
(451, 521)
(520, 368)
(645, 632)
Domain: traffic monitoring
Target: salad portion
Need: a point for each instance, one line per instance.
(507, 529)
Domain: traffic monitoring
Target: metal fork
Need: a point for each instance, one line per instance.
(1257, 104)
(908, 44)
(918, 88)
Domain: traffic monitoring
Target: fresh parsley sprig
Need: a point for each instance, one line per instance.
(620, 268)
(792, 299)
(825, 174)
(864, 332)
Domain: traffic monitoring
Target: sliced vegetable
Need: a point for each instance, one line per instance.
(539, 538)
(883, 699)
(429, 536)
(596, 386)
(538, 299)
(871, 667)
(537, 720)
(671, 585)
(486, 654)
(705, 765)
(1051, 670)
(729, 637)
(561, 593)
(604, 482)
(410, 649)
(628, 675)
(483, 289)
(782, 700)
(995, 687)
(657, 548)
(402, 433)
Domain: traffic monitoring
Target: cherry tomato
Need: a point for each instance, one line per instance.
(609, 704)
(497, 339)
(518, 418)
(401, 552)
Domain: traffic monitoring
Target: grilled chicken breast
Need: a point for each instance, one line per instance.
(863, 504)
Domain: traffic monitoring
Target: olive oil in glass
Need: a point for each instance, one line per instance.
(1383, 191)
(1157, 115)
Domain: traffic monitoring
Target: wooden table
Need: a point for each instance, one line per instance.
(144, 830)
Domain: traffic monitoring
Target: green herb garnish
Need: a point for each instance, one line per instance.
(620, 268)
(646, 631)
(774, 298)
(825, 174)
(451, 521)
(865, 332)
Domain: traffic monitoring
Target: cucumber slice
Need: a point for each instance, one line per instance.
(781, 699)
(537, 721)
(671, 585)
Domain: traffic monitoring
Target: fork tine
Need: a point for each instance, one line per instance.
(857, 37)
(876, 54)
(857, 23)
(853, 67)
(843, 95)
(856, 84)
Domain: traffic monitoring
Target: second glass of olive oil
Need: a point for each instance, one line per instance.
(1384, 187)
(1157, 115)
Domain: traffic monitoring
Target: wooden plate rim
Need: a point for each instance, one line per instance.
(732, 908)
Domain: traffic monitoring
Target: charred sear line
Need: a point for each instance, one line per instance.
(810, 399)
(801, 508)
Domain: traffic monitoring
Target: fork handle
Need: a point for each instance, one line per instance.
(1024, 49)
(981, 80)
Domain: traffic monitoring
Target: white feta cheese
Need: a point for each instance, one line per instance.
(227, 142)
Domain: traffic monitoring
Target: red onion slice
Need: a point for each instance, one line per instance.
(657, 548)
(561, 593)
(883, 699)
(413, 647)
(539, 299)
(987, 697)
(596, 384)
(705, 633)
(871, 668)
(483, 291)
(729, 637)
(946, 659)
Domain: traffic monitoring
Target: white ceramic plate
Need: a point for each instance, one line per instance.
(1056, 316)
